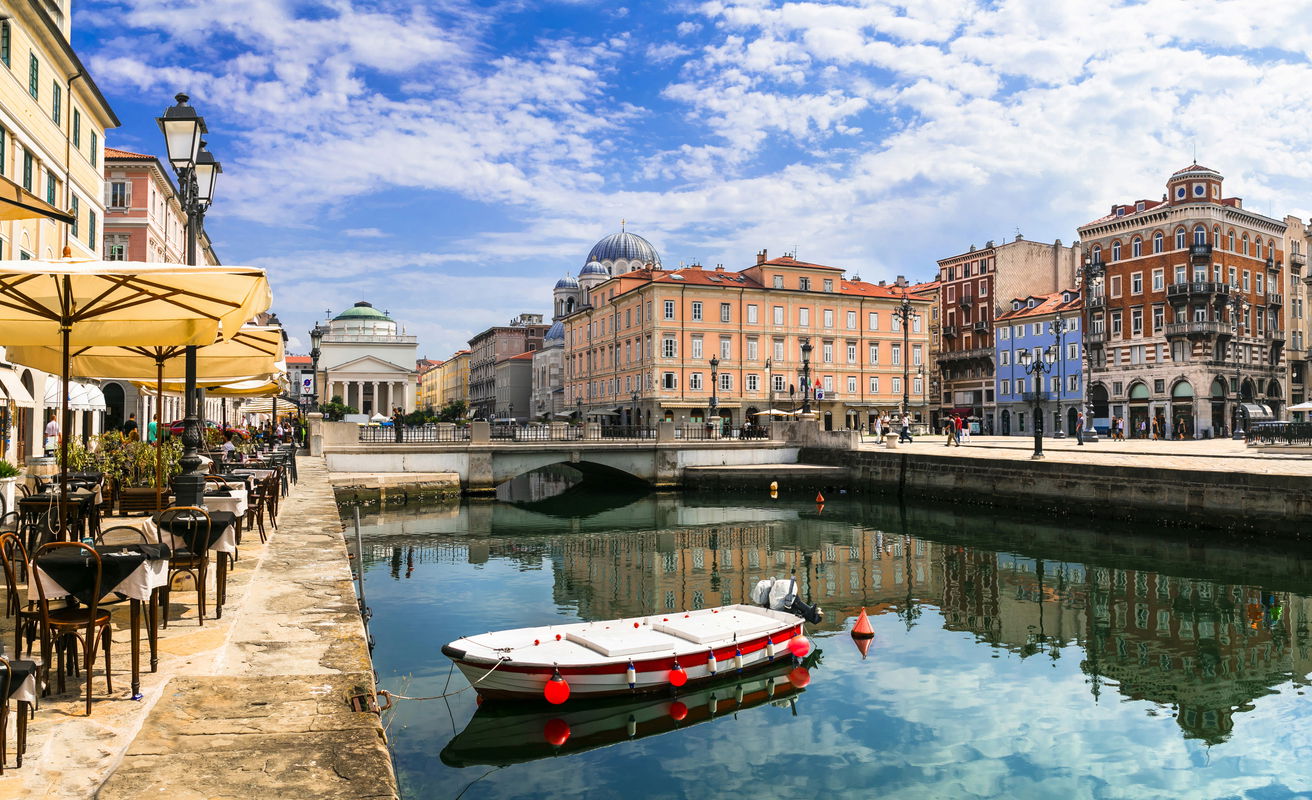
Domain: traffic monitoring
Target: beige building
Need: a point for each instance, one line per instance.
(454, 379)
(368, 361)
(52, 131)
(428, 385)
(667, 335)
(548, 397)
(514, 388)
(489, 348)
(1298, 241)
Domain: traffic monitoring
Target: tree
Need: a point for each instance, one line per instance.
(453, 411)
(336, 410)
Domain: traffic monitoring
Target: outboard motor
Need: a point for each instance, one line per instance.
(781, 595)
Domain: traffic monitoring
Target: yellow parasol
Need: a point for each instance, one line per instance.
(82, 303)
(18, 203)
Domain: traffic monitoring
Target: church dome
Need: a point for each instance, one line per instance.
(567, 283)
(362, 310)
(555, 333)
(594, 267)
(625, 249)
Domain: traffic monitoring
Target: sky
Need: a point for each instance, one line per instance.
(449, 161)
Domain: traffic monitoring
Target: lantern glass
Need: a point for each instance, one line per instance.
(182, 128)
(207, 173)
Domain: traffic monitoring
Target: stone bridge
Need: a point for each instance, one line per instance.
(483, 462)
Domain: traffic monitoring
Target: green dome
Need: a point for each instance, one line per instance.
(362, 310)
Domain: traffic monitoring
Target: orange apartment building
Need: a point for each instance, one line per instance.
(640, 347)
(1191, 313)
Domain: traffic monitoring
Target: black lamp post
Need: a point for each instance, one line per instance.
(806, 374)
(633, 413)
(1058, 329)
(1090, 271)
(578, 405)
(904, 313)
(316, 338)
(197, 171)
(715, 402)
(1037, 367)
(769, 388)
(1238, 307)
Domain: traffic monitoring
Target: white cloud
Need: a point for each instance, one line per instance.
(365, 233)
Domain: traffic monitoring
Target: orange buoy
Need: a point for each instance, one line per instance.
(819, 498)
(862, 628)
(678, 676)
(799, 677)
(557, 689)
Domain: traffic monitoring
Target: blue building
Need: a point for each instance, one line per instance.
(1044, 325)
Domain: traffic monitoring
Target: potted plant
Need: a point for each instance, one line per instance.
(9, 475)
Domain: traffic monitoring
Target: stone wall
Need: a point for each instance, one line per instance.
(1241, 501)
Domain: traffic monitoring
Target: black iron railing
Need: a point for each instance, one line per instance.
(414, 433)
(1280, 433)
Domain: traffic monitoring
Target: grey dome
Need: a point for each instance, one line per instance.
(567, 283)
(555, 332)
(594, 267)
(625, 246)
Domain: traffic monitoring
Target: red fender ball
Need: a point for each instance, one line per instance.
(799, 646)
(799, 677)
(678, 711)
(678, 676)
(557, 690)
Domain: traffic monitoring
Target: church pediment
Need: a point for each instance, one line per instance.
(371, 364)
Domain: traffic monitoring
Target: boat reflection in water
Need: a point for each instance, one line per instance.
(504, 733)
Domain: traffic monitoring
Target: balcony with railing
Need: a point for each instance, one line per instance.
(1296, 263)
(950, 331)
(967, 301)
(1095, 337)
(1200, 253)
(981, 325)
(1198, 290)
(1275, 299)
(1098, 300)
(966, 355)
(1206, 327)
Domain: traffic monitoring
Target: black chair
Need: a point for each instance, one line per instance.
(135, 534)
(191, 524)
(7, 688)
(63, 630)
(13, 560)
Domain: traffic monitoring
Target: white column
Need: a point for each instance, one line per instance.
(401, 398)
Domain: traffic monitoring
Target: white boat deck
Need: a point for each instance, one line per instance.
(595, 643)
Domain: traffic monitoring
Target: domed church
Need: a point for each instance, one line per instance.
(616, 254)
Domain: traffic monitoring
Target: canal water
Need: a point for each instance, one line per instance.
(1011, 658)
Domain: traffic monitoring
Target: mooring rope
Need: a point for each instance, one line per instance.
(393, 696)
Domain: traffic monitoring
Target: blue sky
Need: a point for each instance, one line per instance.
(448, 161)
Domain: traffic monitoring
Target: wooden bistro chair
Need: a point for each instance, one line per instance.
(63, 630)
(25, 710)
(191, 524)
(13, 560)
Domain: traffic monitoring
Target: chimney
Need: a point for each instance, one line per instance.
(719, 268)
(761, 257)
(695, 265)
(881, 283)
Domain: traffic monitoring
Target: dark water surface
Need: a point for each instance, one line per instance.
(1011, 658)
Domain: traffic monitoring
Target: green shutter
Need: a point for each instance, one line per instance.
(27, 170)
(33, 76)
(91, 229)
(4, 151)
(77, 128)
(95, 148)
(5, 35)
(56, 101)
(50, 188)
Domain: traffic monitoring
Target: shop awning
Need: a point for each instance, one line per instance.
(1257, 412)
(683, 404)
(12, 387)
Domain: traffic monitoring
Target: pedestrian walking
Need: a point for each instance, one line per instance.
(957, 423)
(53, 435)
(965, 431)
(949, 428)
(1180, 428)
(904, 434)
(398, 422)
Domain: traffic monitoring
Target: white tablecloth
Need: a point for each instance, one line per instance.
(236, 503)
(226, 543)
(138, 585)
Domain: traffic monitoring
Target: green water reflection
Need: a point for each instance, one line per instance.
(1011, 658)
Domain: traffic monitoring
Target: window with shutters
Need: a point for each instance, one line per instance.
(56, 101)
(118, 194)
(27, 170)
(34, 77)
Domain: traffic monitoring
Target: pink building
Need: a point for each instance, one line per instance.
(143, 218)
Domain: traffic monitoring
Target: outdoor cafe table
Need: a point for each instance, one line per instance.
(223, 540)
(86, 501)
(134, 571)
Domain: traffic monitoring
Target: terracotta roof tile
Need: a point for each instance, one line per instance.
(1048, 304)
(114, 152)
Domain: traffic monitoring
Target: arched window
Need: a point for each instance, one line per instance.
(1159, 242)
(1179, 238)
(1136, 247)
(1231, 246)
(1244, 243)
(1270, 248)
(1116, 251)
(1200, 235)
(1096, 253)
(1258, 245)
(1216, 237)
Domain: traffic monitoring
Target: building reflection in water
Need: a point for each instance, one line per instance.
(1203, 648)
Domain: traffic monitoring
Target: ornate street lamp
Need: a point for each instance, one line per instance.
(316, 338)
(769, 388)
(1090, 271)
(1058, 329)
(633, 412)
(904, 312)
(806, 374)
(197, 172)
(1238, 307)
(715, 401)
(1037, 367)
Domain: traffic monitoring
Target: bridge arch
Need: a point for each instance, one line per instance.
(628, 466)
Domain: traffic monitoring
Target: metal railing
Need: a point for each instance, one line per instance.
(1198, 288)
(414, 434)
(1200, 252)
(1275, 298)
(1197, 327)
(1280, 433)
(569, 433)
(707, 432)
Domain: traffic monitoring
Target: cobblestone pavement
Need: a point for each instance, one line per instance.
(251, 705)
(1211, 455)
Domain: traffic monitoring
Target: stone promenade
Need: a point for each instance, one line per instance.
(1208, 455)
(253, 705)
